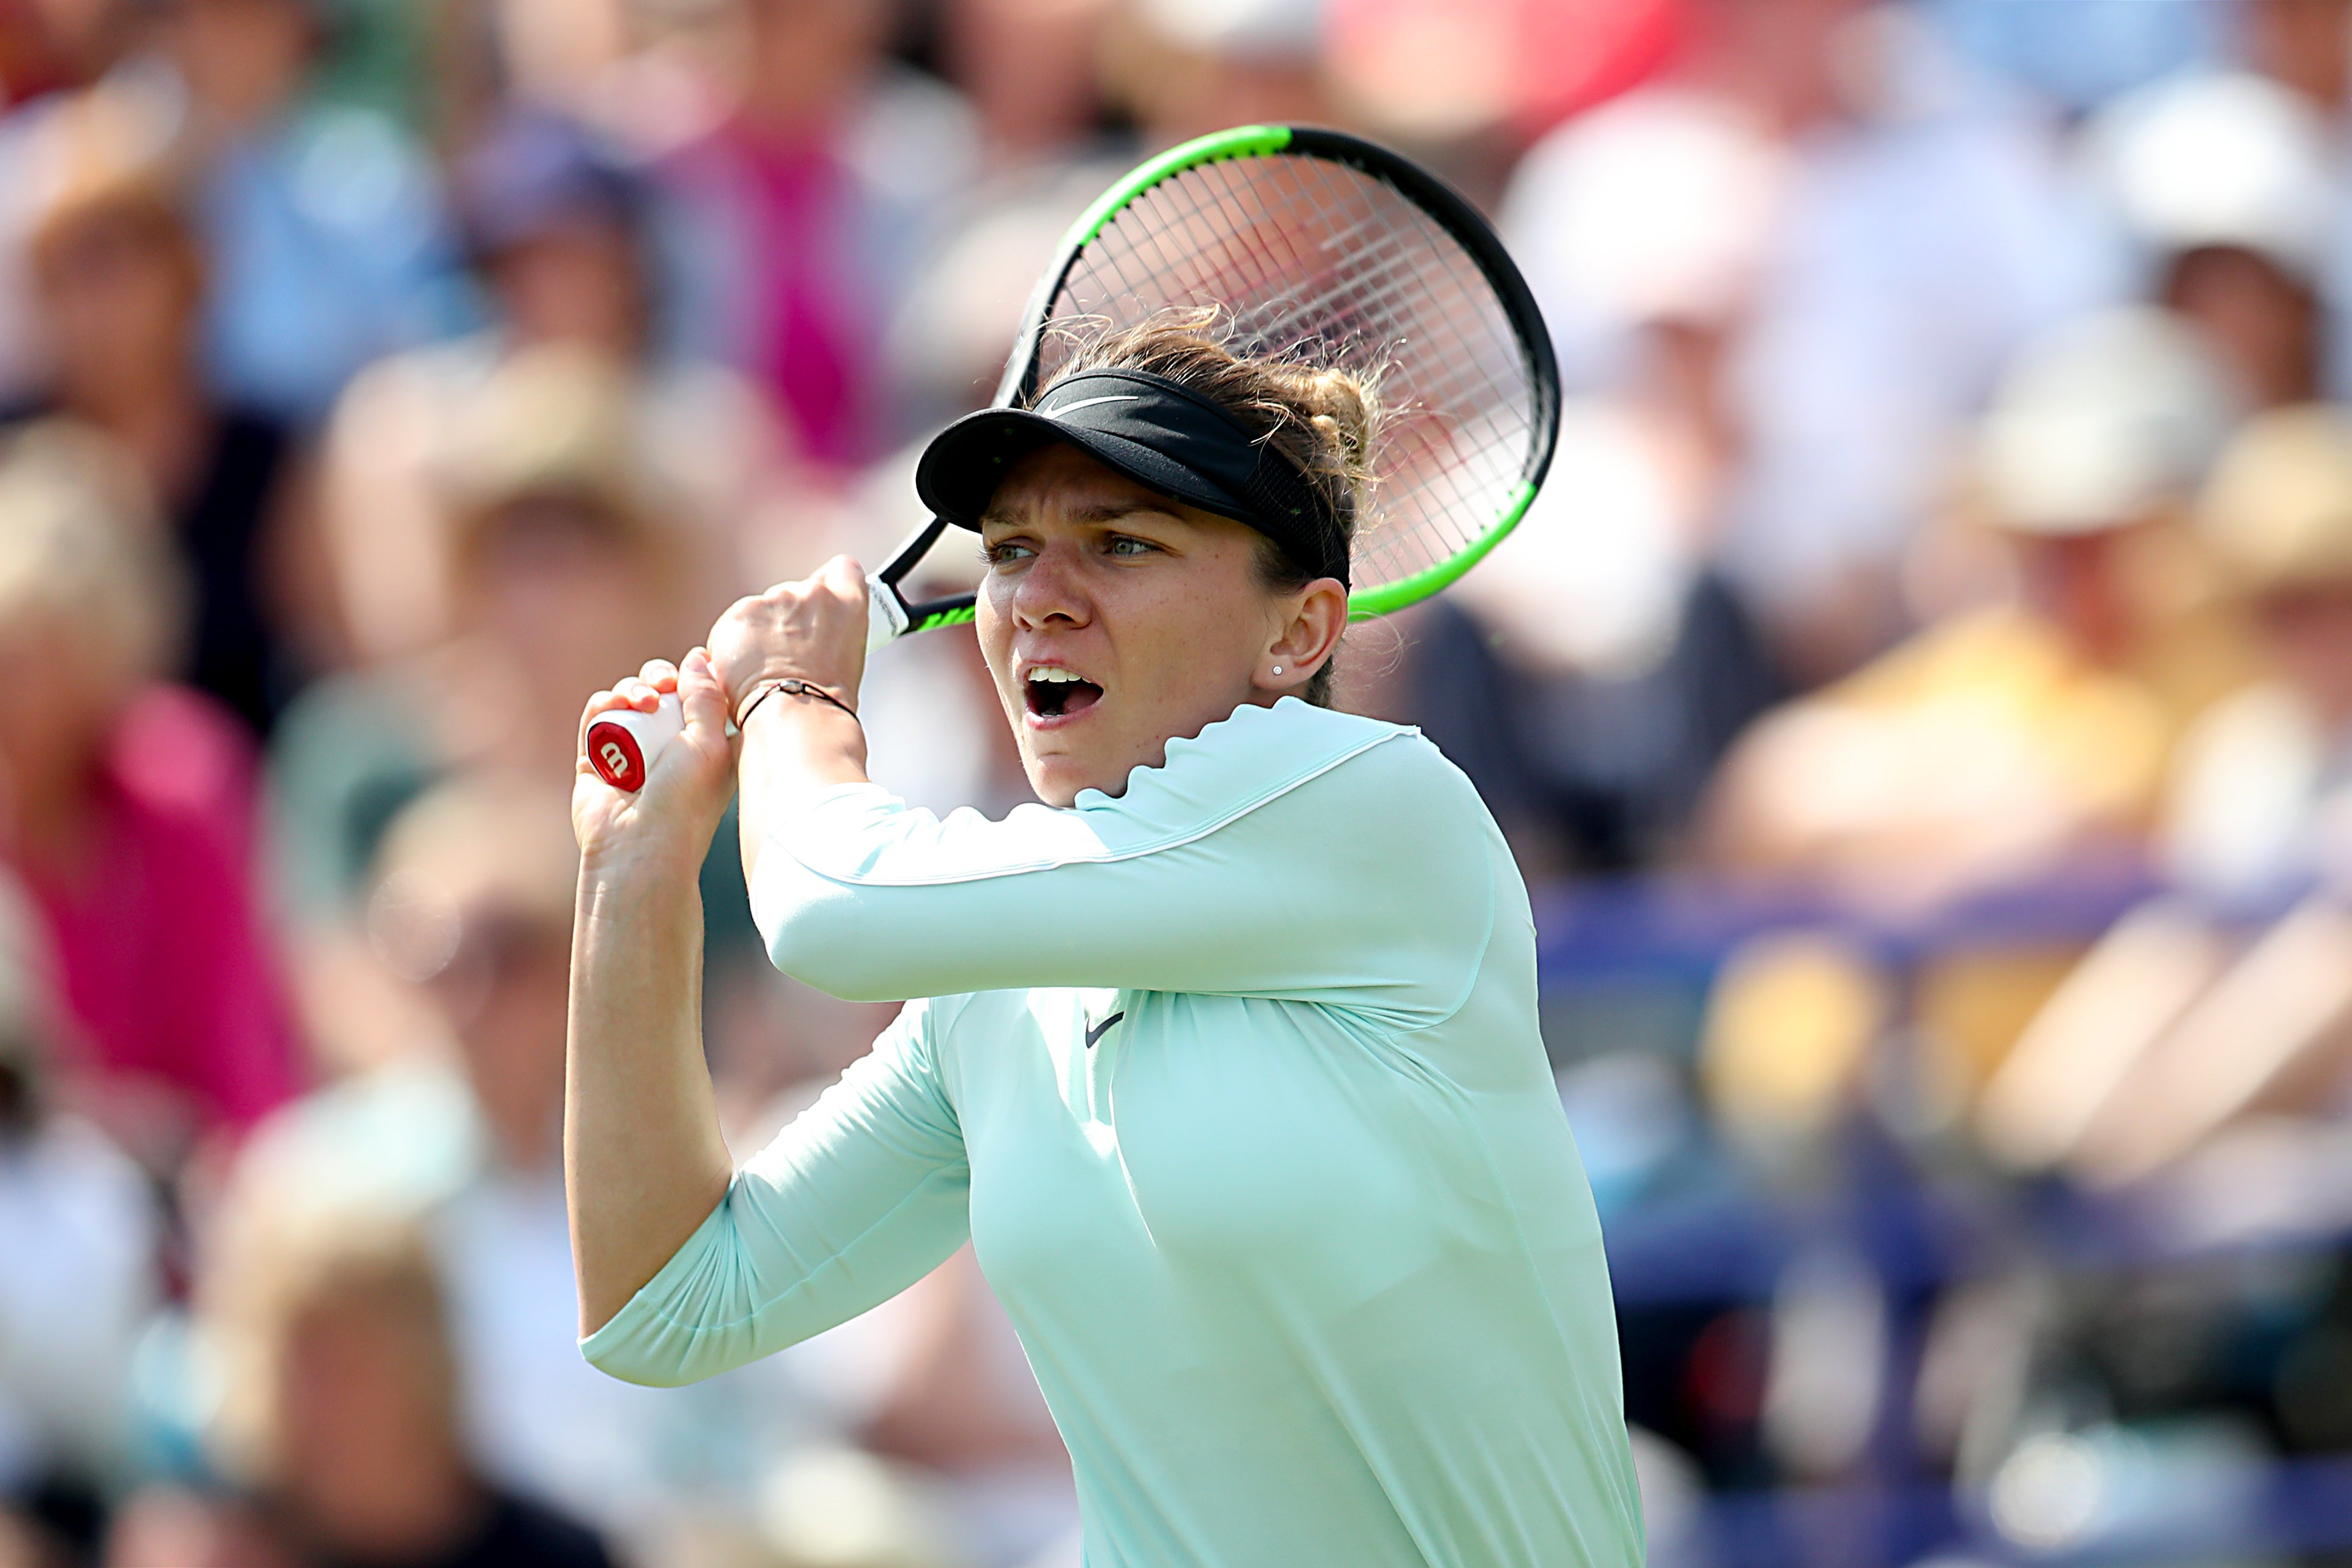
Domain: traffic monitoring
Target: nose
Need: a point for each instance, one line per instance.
(1051, 589)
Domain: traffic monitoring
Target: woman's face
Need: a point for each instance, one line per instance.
(577, 282)
(559, 583)
(1155, 608)
(119, 297)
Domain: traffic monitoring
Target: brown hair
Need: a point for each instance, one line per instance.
(80, 539)
(1320, 418)
(280, 1268)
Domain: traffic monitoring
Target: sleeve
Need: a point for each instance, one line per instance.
(1304, 856)
(864, 1194)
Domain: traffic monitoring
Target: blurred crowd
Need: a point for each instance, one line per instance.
(1921, 699)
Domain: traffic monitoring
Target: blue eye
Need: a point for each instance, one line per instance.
(998, 554)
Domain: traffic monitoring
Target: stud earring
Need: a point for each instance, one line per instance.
(1278, 669)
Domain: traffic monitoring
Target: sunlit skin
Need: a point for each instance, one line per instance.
(1157, 606)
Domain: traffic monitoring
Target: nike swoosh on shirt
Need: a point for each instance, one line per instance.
(1089, 402)
(1097, 1032)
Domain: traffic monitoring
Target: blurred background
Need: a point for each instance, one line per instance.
(1922, 703)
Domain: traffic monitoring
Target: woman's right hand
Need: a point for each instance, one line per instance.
(687, 786)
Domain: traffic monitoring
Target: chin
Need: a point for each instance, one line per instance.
(1057, 781)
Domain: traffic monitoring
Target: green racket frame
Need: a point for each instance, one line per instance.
(1434, 196)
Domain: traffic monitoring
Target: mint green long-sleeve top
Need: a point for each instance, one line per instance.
(1234, 1084)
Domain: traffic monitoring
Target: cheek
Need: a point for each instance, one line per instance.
(1186, 653)
(992, 629)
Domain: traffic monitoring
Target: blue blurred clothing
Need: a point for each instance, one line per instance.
(330, 247)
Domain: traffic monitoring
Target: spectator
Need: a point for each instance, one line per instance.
(120, 282)
(2257, 808)
(55, 47)
(814, 200)
(1610, 663)
(2173, 1027)
(1183, 70)
(129, 810)
(323, 224)
(168, 1524)
(571, 549)
(77, 1226)
(1030, 70)
(472, 908)
(346, 1421)
(2224, 184)
(1779, 161)
(50, 51)
(2008, 738)
(569, 237)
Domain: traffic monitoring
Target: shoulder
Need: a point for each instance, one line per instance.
(861, 835)
(1243, 762)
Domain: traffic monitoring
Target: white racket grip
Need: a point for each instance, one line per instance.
(624, 744)
(885, 617)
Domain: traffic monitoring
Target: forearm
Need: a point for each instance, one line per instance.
(792, 747)
(644, 1160)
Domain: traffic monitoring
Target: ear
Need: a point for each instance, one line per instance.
(1304, 641)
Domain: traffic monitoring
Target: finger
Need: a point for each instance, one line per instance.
(699, 692)
(844, 577)
(660, 674)
(602, 702)
(640, 694)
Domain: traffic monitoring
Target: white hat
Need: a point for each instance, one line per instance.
(2229, 159)
(1243, 29)
(2110, 416)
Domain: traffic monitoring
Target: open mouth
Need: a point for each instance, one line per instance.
(1056, 693)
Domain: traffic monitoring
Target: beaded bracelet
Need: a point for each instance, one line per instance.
(790, 686)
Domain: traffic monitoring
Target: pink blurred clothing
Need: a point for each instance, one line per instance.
(160, 947)
(803, 313)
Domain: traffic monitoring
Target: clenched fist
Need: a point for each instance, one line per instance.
(814, 628)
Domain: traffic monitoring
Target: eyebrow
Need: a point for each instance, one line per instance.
(998, 517)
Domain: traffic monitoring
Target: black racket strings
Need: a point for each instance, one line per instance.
(1383, 290)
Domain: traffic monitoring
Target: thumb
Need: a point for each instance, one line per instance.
(702, 699)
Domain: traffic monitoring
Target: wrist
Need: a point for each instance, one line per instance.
(775, 669)
(651, 857)
(793, 691)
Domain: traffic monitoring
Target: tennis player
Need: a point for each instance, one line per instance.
(1224, 1058)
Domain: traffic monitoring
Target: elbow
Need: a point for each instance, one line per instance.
(817, 937)
(652, 1349)
(629, 1364)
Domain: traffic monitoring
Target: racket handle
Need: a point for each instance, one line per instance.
(624, 744)
(885, 614)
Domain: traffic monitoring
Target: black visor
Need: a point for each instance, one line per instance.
(1157, 433)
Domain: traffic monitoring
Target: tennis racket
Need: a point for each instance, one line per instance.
(1318, 247)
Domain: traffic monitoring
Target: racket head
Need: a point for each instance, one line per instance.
(1323, 249)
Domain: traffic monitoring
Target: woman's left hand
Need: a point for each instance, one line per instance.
(814, 629)
(685, 792)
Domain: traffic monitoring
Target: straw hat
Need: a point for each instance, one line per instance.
(2278, 510)
(2111, 417)
(556, 421)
